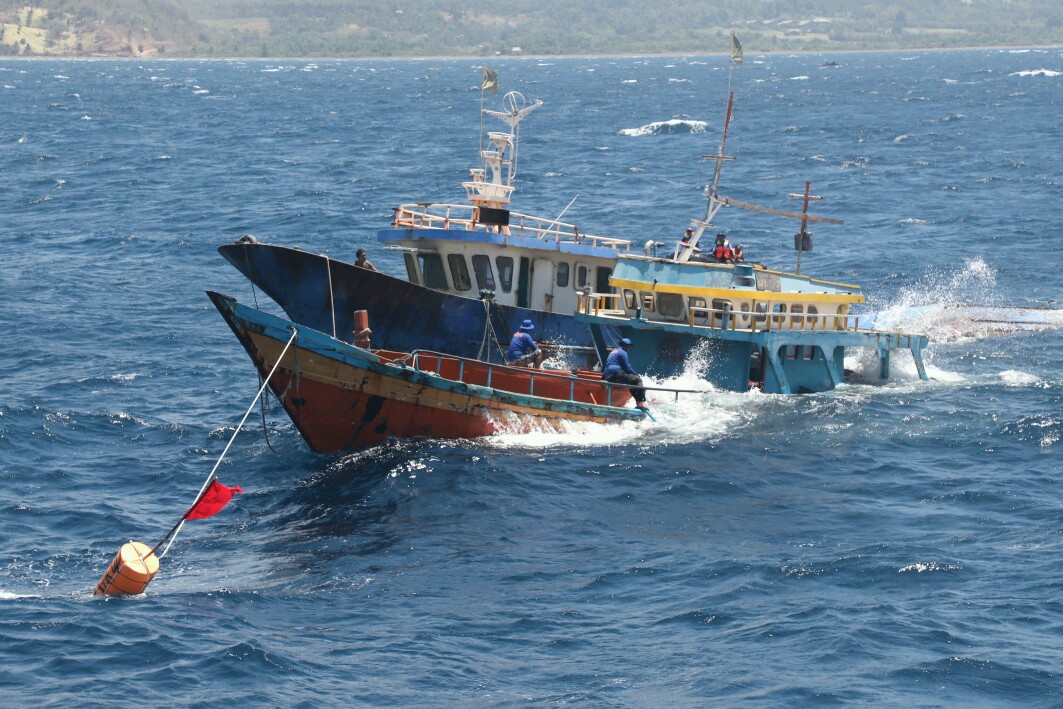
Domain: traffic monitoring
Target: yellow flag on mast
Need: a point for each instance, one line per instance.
(736, 50)
(489, 83)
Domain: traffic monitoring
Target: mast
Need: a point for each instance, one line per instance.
(491, 186)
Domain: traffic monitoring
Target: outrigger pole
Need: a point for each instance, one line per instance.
(716, 201)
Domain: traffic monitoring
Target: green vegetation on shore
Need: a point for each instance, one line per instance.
(361, 28)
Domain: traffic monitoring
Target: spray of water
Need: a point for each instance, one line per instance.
(962, 306)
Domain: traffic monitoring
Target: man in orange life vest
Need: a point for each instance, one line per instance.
(522, 348)
(722, 251)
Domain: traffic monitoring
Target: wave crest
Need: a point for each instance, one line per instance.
(670, 127)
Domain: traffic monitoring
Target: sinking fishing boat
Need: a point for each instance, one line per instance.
(475, 268)
(342, 396)
(782, 333)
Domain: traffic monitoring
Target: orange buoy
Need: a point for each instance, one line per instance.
(133, 568)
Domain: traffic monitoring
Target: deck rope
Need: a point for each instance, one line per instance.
(489, 329)
(331, 299)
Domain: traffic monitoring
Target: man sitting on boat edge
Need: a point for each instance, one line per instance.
(618, 371)
(722, 252)
(522, 348)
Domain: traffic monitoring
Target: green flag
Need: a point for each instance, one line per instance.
(736, 50)
(490, 81)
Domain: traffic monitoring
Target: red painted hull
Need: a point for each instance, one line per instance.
(342, 397)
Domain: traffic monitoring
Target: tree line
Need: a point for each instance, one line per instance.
(342, 28)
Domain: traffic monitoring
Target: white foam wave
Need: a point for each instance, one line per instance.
(675, 125)
(926, 566)
(959, 307)
(693, 418)
(1013, 378)
(8, 596)
(1036, 72)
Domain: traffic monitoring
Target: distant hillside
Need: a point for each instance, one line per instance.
(293, 28)
(97, 27)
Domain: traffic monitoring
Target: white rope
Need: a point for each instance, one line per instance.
(331, 300)
(210, 478)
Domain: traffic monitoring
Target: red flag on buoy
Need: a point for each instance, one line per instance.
(212, 501)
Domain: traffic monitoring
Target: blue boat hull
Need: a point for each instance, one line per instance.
(402, 316)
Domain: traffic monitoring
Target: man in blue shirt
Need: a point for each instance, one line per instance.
(522, 348)
(618, 370)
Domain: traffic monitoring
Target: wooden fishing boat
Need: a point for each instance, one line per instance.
(343, 397)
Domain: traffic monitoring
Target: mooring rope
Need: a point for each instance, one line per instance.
(489, 329)
(331, 299)
(210, 478)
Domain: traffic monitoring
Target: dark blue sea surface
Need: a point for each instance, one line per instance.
(896, 544)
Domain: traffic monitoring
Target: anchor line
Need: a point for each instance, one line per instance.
(489, 329)
(265, 429)
(331, 297)
(172, 534)
(254, 291)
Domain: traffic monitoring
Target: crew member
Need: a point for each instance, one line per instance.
(687, 236)
(738, 255)
(363, 262)
(618, 370)
(722, 252)
(522, 348)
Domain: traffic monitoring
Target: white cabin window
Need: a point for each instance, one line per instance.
(718, 306)
(760, 318)
(582, 273)
(432, 269)
(562, 274)
(814, 322)
(796, 319)
(505, 272)
(670, 306)
(485, 277)
(630, 300)
(411, 269)
(779, 308)
(697, 309)
(647, 301)
(459, 272)
(744, 317)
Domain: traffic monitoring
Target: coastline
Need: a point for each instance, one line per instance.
(535, 57)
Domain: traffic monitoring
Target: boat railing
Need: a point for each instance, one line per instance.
(591, 303)
(759, 319)
(425, 215)
(763, 320)
(433, 362)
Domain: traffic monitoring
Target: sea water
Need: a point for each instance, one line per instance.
(896, 543)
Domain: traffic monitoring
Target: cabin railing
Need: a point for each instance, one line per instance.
(755, 320)
(769, 320)
(425, 215)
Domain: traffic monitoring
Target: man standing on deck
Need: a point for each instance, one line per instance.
(618, 370)
(522, 348)
(362, 261)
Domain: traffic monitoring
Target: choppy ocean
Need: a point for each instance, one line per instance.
(896, 544)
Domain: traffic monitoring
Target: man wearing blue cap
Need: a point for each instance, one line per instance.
(522, 348)
(618, 370)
